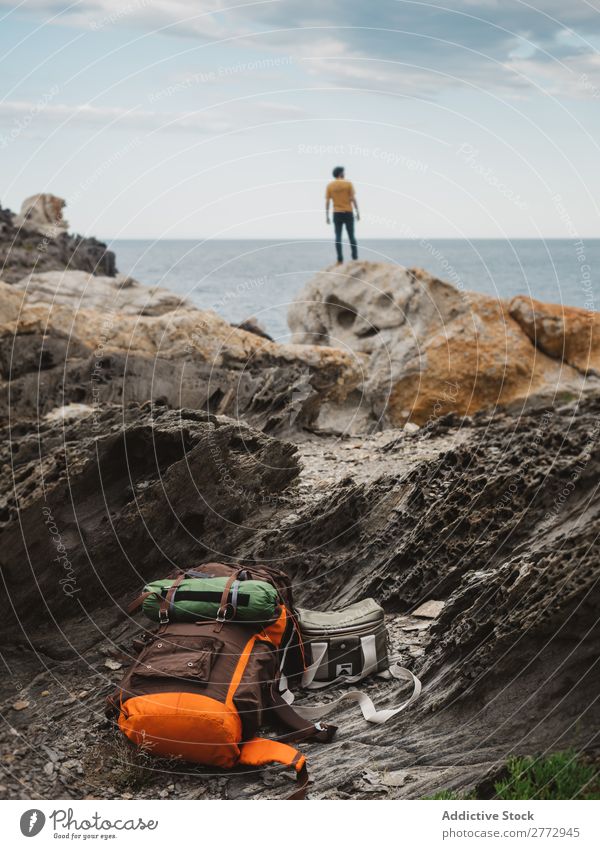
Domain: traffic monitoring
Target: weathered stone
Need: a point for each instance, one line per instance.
(475, 515)
(143, 488)
(429, 610)
(565, 333)
(81, 290)
(43, 213)
(431, 348)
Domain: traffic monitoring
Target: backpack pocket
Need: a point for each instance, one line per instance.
(188, 659)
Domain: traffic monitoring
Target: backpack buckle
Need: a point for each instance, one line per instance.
(163, 617)
(224, 611)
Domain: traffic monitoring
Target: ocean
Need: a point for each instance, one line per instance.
(239, 278)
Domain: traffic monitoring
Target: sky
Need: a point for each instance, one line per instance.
(181, 119)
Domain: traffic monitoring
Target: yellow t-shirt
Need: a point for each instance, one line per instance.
(341, 193)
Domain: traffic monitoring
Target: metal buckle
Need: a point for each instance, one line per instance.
(223, 611)
(163, 617)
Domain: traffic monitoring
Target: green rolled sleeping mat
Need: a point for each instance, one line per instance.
(197, 599)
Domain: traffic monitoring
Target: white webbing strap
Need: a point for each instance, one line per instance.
(369, 711)
(319, 650)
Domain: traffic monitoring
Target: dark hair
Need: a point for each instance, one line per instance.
(338, 171)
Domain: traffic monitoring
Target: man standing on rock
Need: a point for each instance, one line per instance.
(341, 192)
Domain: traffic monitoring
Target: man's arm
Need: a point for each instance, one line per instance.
(327, 205)
(355, 204)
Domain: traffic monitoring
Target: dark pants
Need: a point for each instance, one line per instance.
(339, 219)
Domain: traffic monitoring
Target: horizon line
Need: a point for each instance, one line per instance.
(326, 240)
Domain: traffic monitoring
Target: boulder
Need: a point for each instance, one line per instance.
(432, 349)
(42, 214)
(564, 333)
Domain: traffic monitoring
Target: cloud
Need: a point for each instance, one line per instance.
(422, 46)
(20, 116)
(87, 114)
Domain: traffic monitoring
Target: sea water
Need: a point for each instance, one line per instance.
(242, 278)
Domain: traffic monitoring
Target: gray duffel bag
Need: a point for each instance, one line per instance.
(347, 644)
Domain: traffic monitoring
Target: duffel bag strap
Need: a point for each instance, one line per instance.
(260, 752)
(369, 711)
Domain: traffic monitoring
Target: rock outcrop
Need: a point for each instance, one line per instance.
(36, 240)
(83, 340)
(433, 349)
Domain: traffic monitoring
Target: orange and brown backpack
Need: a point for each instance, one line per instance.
(201, 690)
(203, 684)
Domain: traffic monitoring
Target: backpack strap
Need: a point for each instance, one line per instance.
(285, 714)
(260, 752)
(168, 599)
(227, 609)
(137, 603)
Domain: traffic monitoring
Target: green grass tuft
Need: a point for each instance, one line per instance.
(562, 775)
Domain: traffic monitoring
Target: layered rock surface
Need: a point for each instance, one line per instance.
(433, 349)
(497, 520)
(70, 338)
(78, 289)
